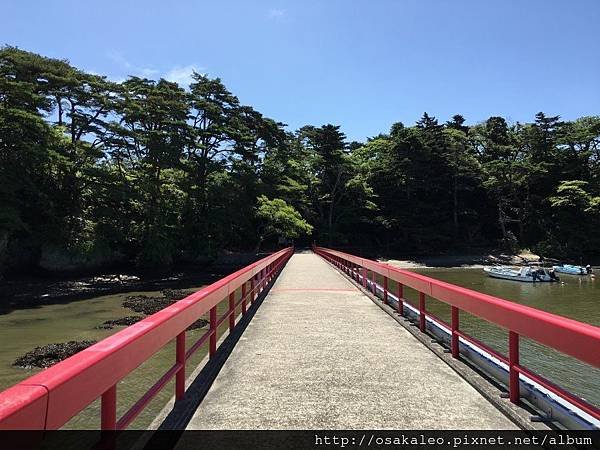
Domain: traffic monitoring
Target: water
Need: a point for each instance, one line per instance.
(576, 297)
(23, 330)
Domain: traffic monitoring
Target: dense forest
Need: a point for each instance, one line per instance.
(94, 172)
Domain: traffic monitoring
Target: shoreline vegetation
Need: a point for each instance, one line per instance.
(473, 261)
(152, 174)
(52, 288)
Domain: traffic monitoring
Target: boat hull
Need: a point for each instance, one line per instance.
(570, 270)
(504, 275)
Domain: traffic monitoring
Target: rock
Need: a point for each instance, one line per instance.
(175, 294)
(200, 323)
(123, 321)
(146, 305)
(150, 305)
(49, 355)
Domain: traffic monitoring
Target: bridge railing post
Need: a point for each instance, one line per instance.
(400, 298)
(244, 297)
(385, 290)
(252, 287)
(364, 276)
(108, 409)
(422, 312)
(212, 346)
(231, 311)
(454, 326)
(513, 361)
(373, 285)
(180, 360)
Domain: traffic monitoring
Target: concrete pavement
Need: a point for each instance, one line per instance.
(319, 354)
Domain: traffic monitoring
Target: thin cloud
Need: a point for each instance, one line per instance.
(130, 68)
(182, 75)
(276, 14)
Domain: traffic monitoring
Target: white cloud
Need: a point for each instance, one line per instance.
(118, 58)
(182, 75)
(276, 14)
(131, 69)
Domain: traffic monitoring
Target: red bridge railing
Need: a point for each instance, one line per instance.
(573, 338)
(52, 397)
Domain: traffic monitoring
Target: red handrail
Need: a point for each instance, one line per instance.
(50, 398)
(568, 336)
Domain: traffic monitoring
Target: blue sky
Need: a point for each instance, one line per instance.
(360, 64)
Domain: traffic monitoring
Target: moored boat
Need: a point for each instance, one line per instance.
(524, 274)
(570, 269)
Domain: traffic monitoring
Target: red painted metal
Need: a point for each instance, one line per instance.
(422, 312)
(482, 346)
(199, 343)
(139, 406)
(573, 338)
(400, 295)
(212, 344)
(50, 398)
(385, 290)
(108, 409)
(231, 311)
(373, 285)
(24, 407)
(513, 364)
(454, 328)
(244, 306)
(559, 391)
(180, 360)
(568, 336)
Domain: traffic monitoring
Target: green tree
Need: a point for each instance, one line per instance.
(147, 144)
(278, 219)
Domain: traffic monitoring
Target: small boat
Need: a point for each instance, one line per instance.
(570, 269)
(525, 274)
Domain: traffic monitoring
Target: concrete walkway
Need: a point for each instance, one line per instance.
(320, 355)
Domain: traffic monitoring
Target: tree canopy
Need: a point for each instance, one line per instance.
(144, 171)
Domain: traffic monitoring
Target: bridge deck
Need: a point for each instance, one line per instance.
(320, 355)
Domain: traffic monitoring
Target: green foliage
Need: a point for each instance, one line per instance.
(93, 172)
(277, 218)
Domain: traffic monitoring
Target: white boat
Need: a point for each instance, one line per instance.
(570, 269)
(524, 274)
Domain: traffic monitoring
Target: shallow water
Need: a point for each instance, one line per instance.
(575, 297)
(23, 330)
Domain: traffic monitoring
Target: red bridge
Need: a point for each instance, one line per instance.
(317, 345)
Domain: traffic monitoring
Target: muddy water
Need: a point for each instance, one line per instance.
(575, 297)
(23, 330)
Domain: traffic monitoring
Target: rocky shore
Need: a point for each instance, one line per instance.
(150, 305)
(48, 355)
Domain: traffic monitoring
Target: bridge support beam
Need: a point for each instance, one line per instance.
(108, 413)
(180, 360)
(454, 326)
(513, 360)
(422, 312)
(212, 347)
